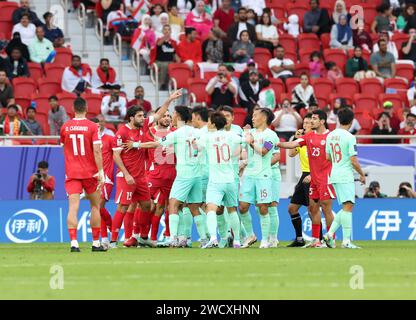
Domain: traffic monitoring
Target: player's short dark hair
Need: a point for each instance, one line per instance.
(321, 114)
(202, 112)
(184, 113)
(226, 109)
(133, 111)
(80, 105)
(218, 119)
(345, 116)
(268, 113)
(308, 115)
(43, 165)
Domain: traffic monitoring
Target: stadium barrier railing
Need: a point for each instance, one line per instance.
(118, 49)
(154, 76)
(99, 32)
(135, 61)
(65, 6)
(82, 17)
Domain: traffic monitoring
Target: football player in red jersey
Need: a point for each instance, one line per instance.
(132, 185)
(321, 192)
(83, 171)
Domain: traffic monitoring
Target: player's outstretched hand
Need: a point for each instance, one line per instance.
(175, 95)
(129, 179)
(299, 133)
(307, 179)
(101, 180)
(128, 145)
(362, 180)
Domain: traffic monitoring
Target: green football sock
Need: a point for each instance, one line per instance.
(274, 221)
(243, 232)
(181, 226)
(235, 225)
(336, 223)
(226, 219)
(187, 222)
(173, 224)
(204, 216)
(212, 224)
(246, 220)
(200, 226)
(265, 226)
(346, 222)
(222, 226)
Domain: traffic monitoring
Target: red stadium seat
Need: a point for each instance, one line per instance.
(43, 121)
(397, 86)
(322, 87)
(42, 103)
(66, 100)
(337, 56)
(49, 86)
(365, 120)
(63, 57)
(288, 42)
(35, 70)
(322, 102)
(347, 86)
(6, 10)
(240, 115)
(279, 11)
(196, 88)
(393, 98)
(262, 56)
(327, 4)
(278, 86)
(94, 104)
(301, 68)
(265, 71)
(292, 56)
(309, 41)
(305, 54)
(325, 40)
(297, 8)
(291, 83)
(365, 103)
(6, 27)
(405, 70)
(370, 12)
(371, 86)
(24, 87)
(23, 102)
(179, 73)
(286, 95)
(350, 3)
(54, 71)
(398, 39)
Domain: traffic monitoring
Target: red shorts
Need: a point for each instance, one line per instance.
(106, 191)
(127, 194)
(77, 186)
(160, 190)
(321, 191)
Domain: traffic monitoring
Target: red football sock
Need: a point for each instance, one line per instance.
(167, 231)
(104, 231)
(136, 221)
(116, 225)
(95, 233)
(316, 229)
(106, 216)
(144, 220)
(155, 227)
(128, 225)
(72, 234)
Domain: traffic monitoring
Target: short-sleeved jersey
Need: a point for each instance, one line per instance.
(186, 151)
(221, 148)
(78, 137)
(341, 145)
(276, 174)
(303, 158)
(203, 156)
(107, 152)
(319, 166)
(258, 166)
(239, 131)
(135, 159)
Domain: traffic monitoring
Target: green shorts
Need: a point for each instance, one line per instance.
(276, 190)
(187, 190)
(204, 185)
(222, 194)
(256, 191)
(345, 192)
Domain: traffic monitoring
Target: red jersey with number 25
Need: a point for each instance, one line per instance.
(319, 166)
(78, 137)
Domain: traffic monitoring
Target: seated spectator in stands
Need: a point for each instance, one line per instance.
(104, 76)
(362, 38)
(382, 20)
(406, 191)
(286, 120)
(303, 94)
(155, 13)
(394, 120)
(199, 19)
(257, 6)
(176, 22)
(249, 91)
(242, 50)
(16, 43)
(25, 9)
(280, 66)
(41, 185)
(267, 36)
(15, 65)
(139, 100)
(391, 46)
(222, 89)
(409, 128)
(41, 49)
(316, 65)
(357, 66)
(103, 129)
(108, 6)
(10, 124)
(214, 49)
(383, 127)
(411, 93)
(57, 116)
(26, 29)
(292, 26)
(144, 38)
(341, 34)
(409, 47)
(332, 115)
(373, 191)
(52, 33)
(244, 76)
(6, 91)
(190, 49)
(33, 127)
(164, 21)
(340, 9)
(230, 73)
(114, 106)
(165, 53)
(316, 20)
(267, 96)
(77, 77)
(252, 17)
(383, 62)
(224, 18)
(333, 71)
(407, 20)
(233, 32)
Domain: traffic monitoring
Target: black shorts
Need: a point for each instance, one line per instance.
(301, 194)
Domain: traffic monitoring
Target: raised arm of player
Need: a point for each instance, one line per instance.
(288, 145)
(120, 165)
(165, 106)
(356, 165)
(261, 150)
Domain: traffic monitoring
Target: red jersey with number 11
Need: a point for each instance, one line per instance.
(320, 167)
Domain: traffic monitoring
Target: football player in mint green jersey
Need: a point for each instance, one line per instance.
(187, 184)
(341, 149)
(221, 148)
(256, 185)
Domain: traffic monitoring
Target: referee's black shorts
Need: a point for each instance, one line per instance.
(301, 194)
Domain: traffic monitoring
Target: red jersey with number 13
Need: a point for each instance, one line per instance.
(78, 137)
(320, 167)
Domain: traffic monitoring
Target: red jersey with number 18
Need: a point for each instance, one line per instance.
(78, 137)
(320, 167)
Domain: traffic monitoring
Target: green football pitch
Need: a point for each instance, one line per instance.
(381, 270)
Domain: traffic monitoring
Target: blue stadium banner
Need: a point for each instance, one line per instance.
(45, 221)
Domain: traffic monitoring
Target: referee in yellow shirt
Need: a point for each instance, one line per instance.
(301, 195)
